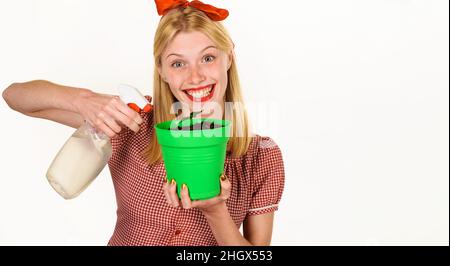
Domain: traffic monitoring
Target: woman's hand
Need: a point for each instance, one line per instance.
(210, 205)
(107, 113)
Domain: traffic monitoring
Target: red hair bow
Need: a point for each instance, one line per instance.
(214, 13)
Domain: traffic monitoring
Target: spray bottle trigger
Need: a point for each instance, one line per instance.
(148, 108)
(134, 107)
(133, 98)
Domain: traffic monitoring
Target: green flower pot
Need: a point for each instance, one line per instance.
(195, 158)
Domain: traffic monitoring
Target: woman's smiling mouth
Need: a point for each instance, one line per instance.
(202, 94)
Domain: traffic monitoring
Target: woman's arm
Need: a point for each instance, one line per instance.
(222, 225)
(257, 229)
(71, 106)
(44, 99)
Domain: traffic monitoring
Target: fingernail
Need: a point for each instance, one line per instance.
(184, 187)
(223, 177)
(173, 182)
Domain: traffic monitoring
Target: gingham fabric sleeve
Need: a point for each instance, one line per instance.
(268, 177)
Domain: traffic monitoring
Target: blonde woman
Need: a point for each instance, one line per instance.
(195, 66)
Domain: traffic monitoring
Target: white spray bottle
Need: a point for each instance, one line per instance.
(86, 152)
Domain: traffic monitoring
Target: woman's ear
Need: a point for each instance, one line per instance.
(230, 59)
(159, 67)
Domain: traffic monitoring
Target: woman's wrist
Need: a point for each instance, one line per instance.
(80, 95)
(215, 210)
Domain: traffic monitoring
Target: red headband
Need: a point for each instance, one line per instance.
(214, 13)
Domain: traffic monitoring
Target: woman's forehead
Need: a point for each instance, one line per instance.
(189, 43)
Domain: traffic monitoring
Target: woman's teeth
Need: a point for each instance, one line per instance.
(200, 93)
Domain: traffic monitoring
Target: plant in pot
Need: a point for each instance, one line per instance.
(193, 151)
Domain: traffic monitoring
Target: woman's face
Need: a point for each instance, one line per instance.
(196, 71)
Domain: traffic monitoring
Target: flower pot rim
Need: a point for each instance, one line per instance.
(223, 122)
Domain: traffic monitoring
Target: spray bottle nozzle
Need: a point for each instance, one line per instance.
(133, 98)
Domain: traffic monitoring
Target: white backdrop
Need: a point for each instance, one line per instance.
(355, 93)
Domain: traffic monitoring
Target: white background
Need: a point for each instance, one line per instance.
(354, 92)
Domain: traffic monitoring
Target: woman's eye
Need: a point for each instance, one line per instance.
(177, 64)
(209, 58)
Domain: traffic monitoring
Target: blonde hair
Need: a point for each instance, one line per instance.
(187, 20)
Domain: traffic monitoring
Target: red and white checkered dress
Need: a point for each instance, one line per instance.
(145, 218)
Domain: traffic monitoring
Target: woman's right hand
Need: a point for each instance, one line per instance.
(107, 113)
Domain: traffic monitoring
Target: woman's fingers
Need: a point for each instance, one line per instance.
(127, 116)
(111, 123)
(185, 199)
(121, 106)
(109, 114)
(186, 203)
(123, 114)
(123, 119)
(173, 194)
(105, 124)
(115, 113)
(166, 192)
(225, 187)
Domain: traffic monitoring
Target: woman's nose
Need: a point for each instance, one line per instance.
(196, 75)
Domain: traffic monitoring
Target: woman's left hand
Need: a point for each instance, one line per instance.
(170, 191)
